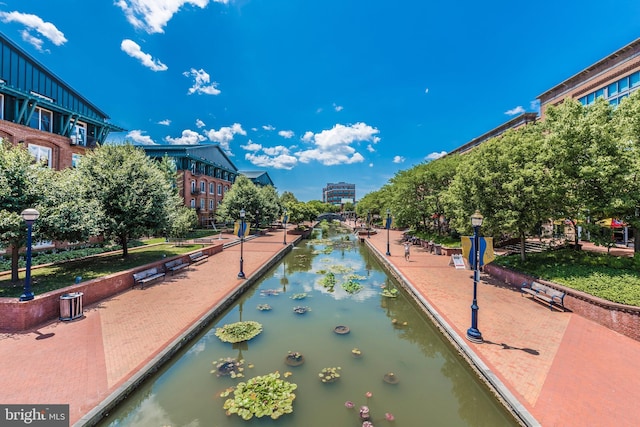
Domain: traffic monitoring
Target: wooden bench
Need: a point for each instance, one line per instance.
(146, 276)
(198, 257)
(175, 265)
(544, 293)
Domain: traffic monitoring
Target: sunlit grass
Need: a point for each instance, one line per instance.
(45, 279)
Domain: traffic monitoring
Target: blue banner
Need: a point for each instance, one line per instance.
(388, 224)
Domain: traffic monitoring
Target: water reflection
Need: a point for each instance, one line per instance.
(392, 335)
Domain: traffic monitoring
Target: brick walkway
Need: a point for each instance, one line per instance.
(565, 370)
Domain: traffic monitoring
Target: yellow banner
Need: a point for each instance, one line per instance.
(236, 229)
(486, 249)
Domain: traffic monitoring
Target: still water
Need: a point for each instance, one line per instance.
(434, 386)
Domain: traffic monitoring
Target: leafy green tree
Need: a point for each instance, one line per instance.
(287, 197)
(243, 194)
(271, 208)
(20, 179)
(182, 220)
(131, 190)
(583, 154)
(626, 205)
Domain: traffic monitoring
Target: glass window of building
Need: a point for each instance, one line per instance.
(41, 119)
(212, 188)
(75, 160)
(193, 186)
(202, 186)
(202, 202)
(41, 154)
(219, 189)
(79, 134)
(634, 79)
(193, 203)
(1, 106)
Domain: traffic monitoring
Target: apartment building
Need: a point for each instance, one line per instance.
(40, 111)
(337, 193)
(205, 174)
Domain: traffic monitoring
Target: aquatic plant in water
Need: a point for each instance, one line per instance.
(302, 295)
(239, 331)
(389, 293)
(329, 375)
(301, 309)
(261, 396)
(352, 287)
(229, 367)
(263, 307)
(329, 281)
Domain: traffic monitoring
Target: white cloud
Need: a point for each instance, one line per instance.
(199, 124)
(333, 146)
(34, 22)
(514, 111)
(268, 127)
(426, 90)
(202, 83)
(225, 135)
(152, 15)
(165, 122)
(337, 107)
(286, 133)
(138, 138)
(32, 40)
(535, 105)
(132, 49)
(434, 156)
(188, 137)
(251, 146)
(370, 148)
(398, 159)
(370, 165)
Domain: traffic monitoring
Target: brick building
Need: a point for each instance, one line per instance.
(40, 111)
(205, 174)
(336, 193)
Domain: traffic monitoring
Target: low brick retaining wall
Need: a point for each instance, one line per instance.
(624, 319)
(17, 316)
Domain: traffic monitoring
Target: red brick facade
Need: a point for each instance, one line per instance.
(61, 149)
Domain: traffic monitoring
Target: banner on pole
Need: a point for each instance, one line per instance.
(486, 250)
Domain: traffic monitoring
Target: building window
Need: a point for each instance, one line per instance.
(202, 202)
(75, 160)
(79, 134)
(226, 188)
(212, 188)
(41, 119)
(202, 186)
(219, 189)
(41, 154)
(1, 106)
(211, 204)
(193, 203)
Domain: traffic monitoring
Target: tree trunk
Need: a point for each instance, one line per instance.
(636, 240)
(523, 252)
(125, 249)
(15, 253)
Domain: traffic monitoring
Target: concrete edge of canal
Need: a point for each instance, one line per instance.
(494, 384)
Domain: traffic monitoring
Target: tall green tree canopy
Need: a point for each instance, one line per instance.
(131, 190)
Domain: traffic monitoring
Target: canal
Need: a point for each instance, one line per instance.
(330, 301)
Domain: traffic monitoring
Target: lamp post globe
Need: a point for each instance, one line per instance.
(473, 333)
(241, 232)
(29, 216)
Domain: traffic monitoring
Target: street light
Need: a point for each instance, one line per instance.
(284, 219)
(29, 216)
(388, 228)
(241, 231)
(473, 334)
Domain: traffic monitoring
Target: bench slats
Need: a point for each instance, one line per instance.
(146, 276)
(544, 293)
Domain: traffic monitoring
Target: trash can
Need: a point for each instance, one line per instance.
(71, 306)
(438, 249)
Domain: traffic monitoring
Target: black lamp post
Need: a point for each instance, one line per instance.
(388, 227)
(284, 220)
(29, 216)
(241, 232)
(473, 334)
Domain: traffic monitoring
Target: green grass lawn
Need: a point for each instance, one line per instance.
(615, 279)
(45, 279)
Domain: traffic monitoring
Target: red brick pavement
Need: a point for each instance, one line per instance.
(565, 370)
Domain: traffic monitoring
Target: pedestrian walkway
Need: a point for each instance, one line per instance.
(565, 370)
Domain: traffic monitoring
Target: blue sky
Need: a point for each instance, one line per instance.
(316, 91)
